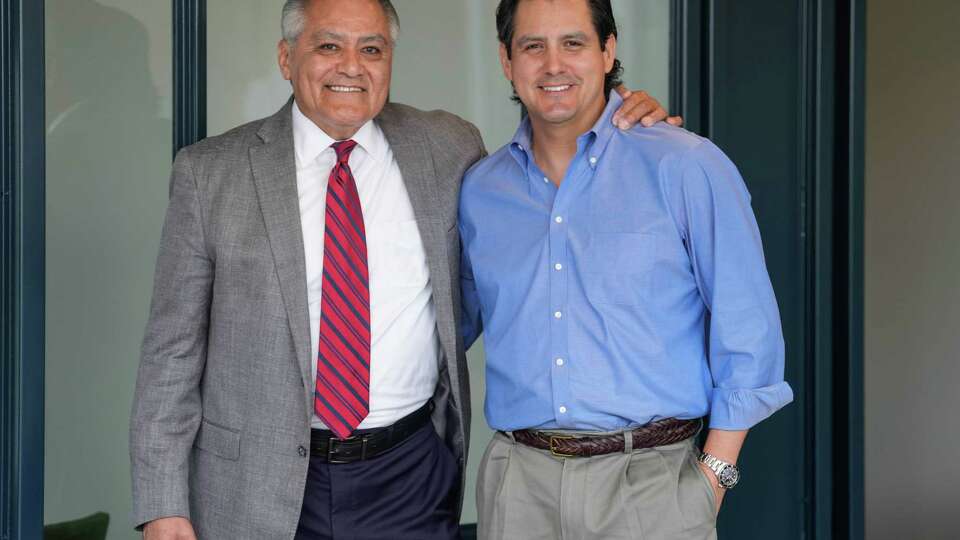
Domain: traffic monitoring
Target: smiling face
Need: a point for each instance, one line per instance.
(340, 65)
(556, 63)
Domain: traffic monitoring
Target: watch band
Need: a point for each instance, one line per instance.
(713, 462)
(727, 473)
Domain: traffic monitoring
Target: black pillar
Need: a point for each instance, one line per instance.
(779, 87)
(189, 72)
(22, 138)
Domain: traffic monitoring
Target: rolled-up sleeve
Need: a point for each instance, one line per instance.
(746, 348)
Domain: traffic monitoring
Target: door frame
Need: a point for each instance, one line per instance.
(189, 72)
(831, 167)
(22, 138)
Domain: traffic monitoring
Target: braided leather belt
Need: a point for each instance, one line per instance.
(659, 433)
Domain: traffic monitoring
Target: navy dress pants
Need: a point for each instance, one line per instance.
(409, 492)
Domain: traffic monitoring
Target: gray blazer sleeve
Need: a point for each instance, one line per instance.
(166, 408)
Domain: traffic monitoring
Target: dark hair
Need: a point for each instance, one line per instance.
(603, 22)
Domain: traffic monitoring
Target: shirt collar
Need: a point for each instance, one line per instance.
(309, 141)
(595, 139)
(604, 129)
(521, 142)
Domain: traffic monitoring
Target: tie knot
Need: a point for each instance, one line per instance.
(343, 149)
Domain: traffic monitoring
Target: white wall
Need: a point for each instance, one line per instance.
(446, 59)
(912, 266)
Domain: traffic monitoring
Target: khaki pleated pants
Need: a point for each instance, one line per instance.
(652, 494)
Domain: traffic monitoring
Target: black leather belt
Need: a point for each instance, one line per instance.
(366, 444)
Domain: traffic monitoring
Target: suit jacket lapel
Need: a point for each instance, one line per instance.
(412, 151)
(409, 145)
(275, 176)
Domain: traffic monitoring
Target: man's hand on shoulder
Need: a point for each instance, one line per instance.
(641, 107)
(169, 528)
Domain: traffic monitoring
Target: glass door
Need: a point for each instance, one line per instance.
(108, 147)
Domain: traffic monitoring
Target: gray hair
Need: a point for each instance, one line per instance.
(295, 13)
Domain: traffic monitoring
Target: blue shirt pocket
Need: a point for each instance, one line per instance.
(618, 267)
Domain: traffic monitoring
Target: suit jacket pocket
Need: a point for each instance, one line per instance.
(218, 440)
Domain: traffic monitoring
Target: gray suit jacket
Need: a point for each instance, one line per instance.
(221, 415)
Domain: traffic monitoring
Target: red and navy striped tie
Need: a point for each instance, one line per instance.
(342, 395)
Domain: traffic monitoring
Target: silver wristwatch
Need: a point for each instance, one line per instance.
(727, 473)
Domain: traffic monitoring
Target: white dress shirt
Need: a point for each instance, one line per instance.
(404, 344)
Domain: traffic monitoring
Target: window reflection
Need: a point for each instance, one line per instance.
(108, 159)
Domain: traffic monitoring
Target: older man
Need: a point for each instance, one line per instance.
(302, 374)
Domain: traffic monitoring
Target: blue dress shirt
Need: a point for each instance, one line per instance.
(635, 291)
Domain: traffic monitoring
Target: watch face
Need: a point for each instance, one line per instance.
(729, 476)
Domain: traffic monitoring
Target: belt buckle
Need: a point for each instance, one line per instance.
(330, 449)
(553, 446)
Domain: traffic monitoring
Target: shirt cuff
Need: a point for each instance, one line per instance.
(738, 409)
